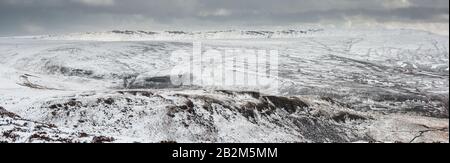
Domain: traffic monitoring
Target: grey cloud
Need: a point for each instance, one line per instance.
(21, 17)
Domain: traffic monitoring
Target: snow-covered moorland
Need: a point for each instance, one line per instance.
(333, 86)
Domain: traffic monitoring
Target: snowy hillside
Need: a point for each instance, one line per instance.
(334, 86)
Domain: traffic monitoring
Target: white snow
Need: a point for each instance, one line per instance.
(402, 73)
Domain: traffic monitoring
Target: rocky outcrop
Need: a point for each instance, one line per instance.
(14, 129)
(212, 116)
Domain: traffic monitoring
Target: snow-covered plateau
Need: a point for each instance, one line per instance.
(333, 86)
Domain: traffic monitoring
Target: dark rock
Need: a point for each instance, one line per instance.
(83, 135)
(102, 139)
(147, 94)
(4, 112)
(343, 117)
(71, 103)
(176, 32)
(168, 142)
(53, 107)
(444, 101)
(10, 134)
(190, 104)
(109, 101)
(289, 104)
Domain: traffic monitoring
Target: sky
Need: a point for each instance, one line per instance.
(31, 17)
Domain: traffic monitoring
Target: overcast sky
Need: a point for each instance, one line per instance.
(24, 17)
